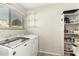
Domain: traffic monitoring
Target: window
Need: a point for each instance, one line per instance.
(16, 19)
(10, 18)
(4, 17)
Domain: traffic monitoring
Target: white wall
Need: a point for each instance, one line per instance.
(7, 32)
(49, 27)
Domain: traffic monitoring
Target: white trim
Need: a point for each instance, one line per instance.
(50, 53)
(14, 7)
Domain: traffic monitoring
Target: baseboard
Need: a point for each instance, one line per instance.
(49, 53)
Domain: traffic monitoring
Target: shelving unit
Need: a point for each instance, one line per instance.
(70, 34)
(71, 30)
(68, 43)
(71, 23)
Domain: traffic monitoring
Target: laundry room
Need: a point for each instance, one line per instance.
(39, 29)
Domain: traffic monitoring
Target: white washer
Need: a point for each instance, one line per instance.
(28, 48)
(34, 43)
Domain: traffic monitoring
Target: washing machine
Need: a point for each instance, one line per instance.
(20, 47)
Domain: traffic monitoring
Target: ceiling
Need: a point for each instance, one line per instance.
(33, 5)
